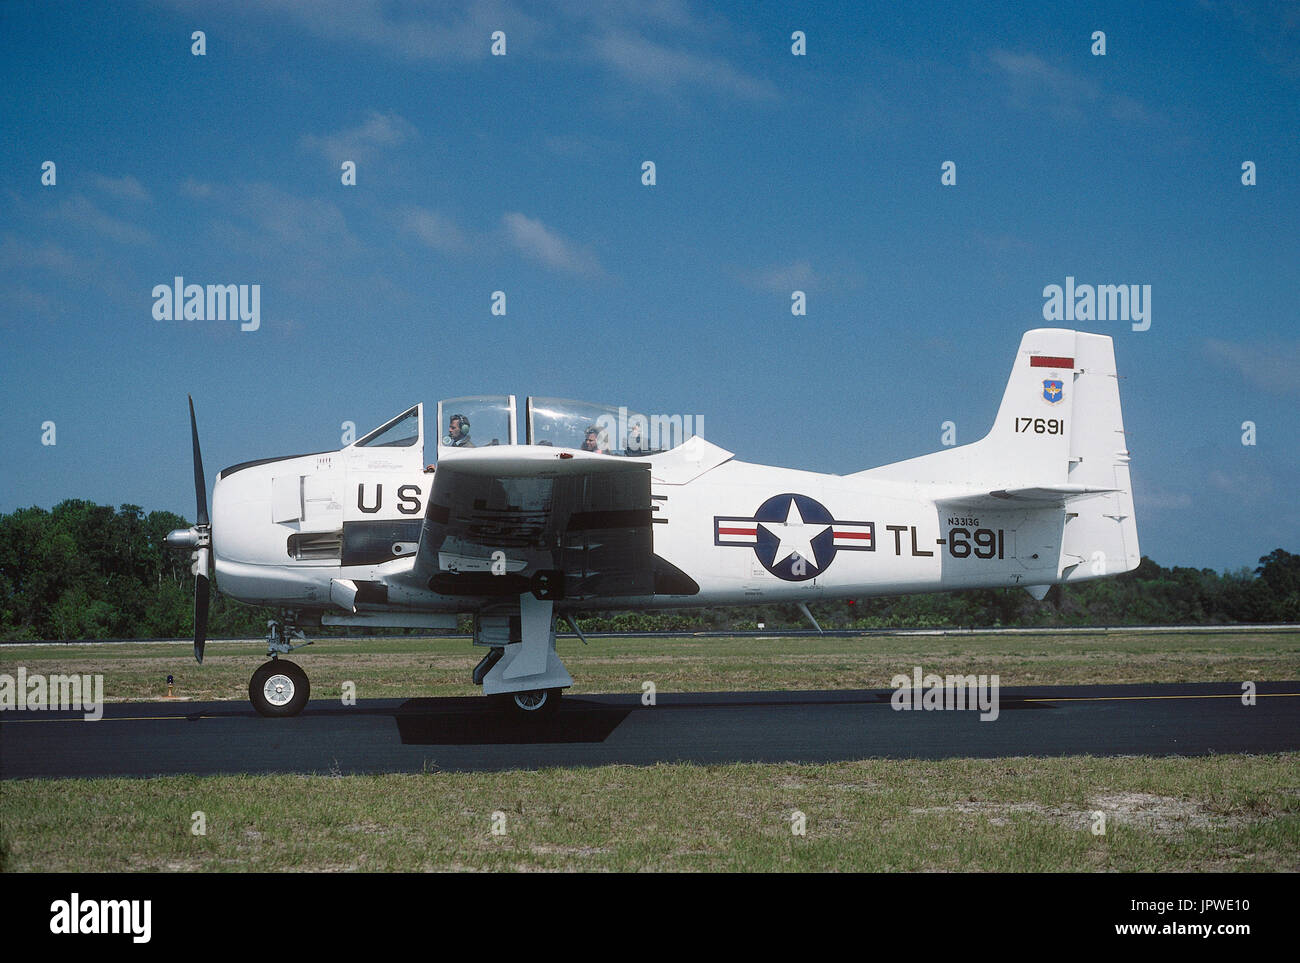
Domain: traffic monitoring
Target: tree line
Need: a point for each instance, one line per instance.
(88, 571)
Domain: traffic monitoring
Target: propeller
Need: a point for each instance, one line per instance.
(199, 538)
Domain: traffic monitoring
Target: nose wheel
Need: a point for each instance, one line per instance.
(279, 688)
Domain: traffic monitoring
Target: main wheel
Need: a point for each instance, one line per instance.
(279, 688)
(535, 703)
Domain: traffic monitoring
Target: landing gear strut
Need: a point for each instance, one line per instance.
(521, 668)
(280, 687)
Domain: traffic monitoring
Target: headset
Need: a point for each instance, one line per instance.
(464, 430)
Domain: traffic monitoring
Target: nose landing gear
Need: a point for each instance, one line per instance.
(280, 687)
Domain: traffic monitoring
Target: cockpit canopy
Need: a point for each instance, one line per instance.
(402, 432)
(479, 421)
(608, 429)
(476, 421)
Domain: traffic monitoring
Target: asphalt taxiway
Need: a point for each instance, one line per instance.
(472, 734)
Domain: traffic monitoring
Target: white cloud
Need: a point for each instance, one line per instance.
(200, 190)
(1269, 367)
(797, 275)
(455, 32)
(1029, 72)
(535, 240)
(1150, 499)
(784, 278)
(378, 131)
(272, 224)
(673, 14)
(85, 215)
(285, 219)
(665, 69)
(1274, 29)
(442, 32)
(436, 230)
(1242, 484)
(25, 257)
(21, 299)
(126, 187)
(1035, 84)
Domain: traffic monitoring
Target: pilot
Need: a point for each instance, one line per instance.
(635, 441)
(457, 432)
(592, 441)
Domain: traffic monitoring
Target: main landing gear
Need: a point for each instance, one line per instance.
(521, 668)
(533, 703)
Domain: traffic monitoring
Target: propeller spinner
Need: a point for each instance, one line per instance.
(199, 538)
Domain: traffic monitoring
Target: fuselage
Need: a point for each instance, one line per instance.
(284, 530)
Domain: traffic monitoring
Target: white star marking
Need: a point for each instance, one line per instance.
(796, 536)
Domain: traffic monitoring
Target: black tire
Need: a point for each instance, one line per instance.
(534, 704)
(279, 688)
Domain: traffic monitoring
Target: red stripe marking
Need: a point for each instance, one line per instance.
(866, 535)
(1047, 361)
(737, 531)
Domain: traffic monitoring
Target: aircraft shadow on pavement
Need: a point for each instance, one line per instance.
(469, 722)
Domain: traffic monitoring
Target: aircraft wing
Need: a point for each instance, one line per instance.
(563, 524)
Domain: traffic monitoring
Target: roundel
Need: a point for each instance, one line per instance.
(795, 537)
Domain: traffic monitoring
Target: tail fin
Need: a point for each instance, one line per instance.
(1056, 445)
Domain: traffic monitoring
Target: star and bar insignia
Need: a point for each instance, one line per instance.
(795, 537)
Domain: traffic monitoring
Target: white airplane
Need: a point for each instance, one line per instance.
(518, 535)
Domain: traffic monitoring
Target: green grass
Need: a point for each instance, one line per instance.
(407, 667)
(1188, 815)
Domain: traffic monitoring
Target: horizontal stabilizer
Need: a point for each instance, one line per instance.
(1041, 496)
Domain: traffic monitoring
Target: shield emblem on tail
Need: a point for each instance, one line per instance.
(1053, 391)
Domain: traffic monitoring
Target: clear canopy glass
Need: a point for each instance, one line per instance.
(476, 421)
(607, 429)
(402, 432)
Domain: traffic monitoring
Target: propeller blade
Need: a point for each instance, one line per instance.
(202, 558)
(200, 484)
(201, 600)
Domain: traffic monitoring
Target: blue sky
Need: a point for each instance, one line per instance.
(775, 172)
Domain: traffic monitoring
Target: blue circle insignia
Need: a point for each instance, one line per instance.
(795, 537)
